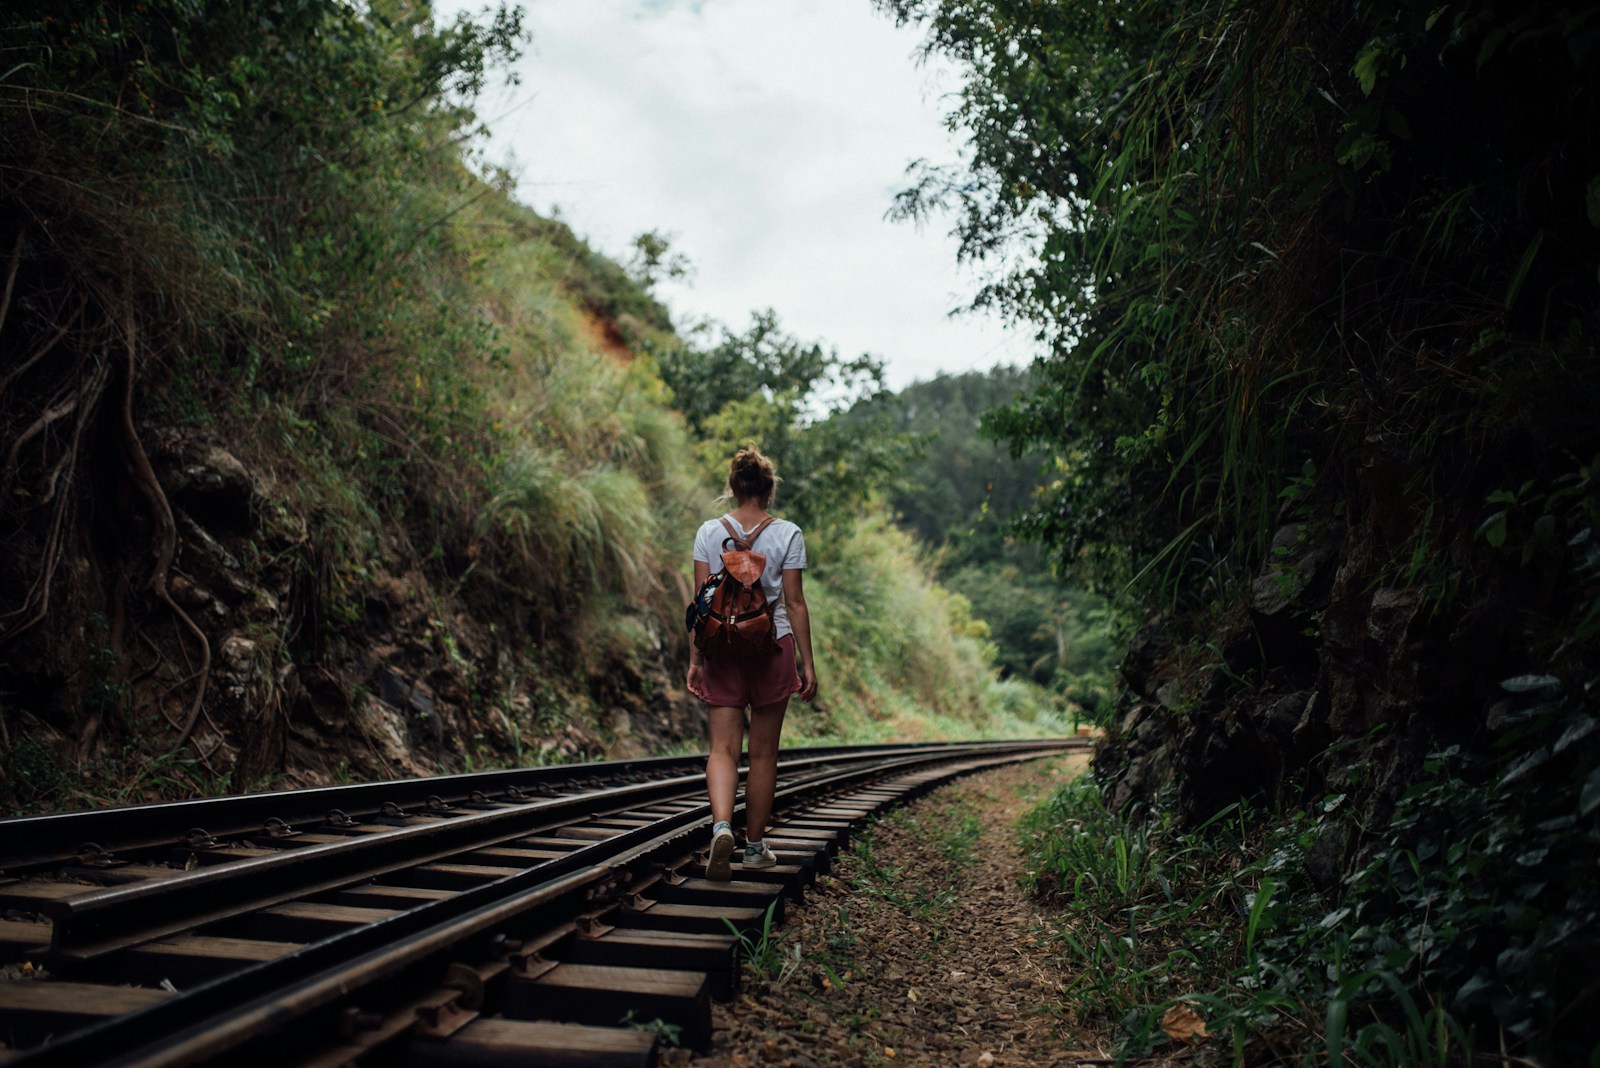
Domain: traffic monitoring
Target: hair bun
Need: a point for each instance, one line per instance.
(751, 475)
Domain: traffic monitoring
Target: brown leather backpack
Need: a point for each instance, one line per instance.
(730, 615)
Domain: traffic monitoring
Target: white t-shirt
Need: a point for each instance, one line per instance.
(781, 543)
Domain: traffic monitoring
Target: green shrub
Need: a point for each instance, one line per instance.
(1473, 922)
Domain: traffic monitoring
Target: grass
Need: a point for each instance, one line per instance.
(1220, 921)
(40, 780)
(923, 896)
(960, 848)
(765, 953)
(669, 1033)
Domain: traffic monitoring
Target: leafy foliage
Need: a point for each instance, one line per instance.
(962, 490)
(1483, 887)
(1044, 629)
(1470, 924)
(904, 656)
(1300, 265)
(1241, 263)
(259, 192)
(1309, 263)
(768, 388)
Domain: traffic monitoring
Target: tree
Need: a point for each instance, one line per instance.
(654, 259)
(765, 387)
(962, 496)
(964, 490)
(1240, 267)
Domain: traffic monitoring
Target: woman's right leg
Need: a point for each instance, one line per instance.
(766, 726)
(722, 764)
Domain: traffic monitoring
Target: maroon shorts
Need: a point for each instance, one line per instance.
(756, 681)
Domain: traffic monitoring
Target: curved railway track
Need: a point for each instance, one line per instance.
(536, 916)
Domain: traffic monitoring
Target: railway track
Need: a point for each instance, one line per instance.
(538, 916)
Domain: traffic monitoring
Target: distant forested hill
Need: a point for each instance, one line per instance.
(963, 494)
(964, 487)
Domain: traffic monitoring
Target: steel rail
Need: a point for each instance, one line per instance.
(98, 922)
(103, 921)
(33, 842)
(219, 1016)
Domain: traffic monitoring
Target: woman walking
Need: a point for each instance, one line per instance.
(762, 684)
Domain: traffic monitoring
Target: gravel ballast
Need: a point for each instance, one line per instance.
(920, 948)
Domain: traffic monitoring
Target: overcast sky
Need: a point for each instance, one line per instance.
(766, 139)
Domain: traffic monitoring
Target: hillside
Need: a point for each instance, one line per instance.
(327, 460)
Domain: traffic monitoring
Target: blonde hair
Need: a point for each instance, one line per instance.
(751, 475)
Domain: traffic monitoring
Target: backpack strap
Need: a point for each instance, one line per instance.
(750, 542)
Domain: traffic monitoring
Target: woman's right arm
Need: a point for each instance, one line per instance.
(702, 571)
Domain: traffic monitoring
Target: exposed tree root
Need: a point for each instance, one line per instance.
(145, 672)
(57, 410)
(88, 736)
(166, 535)
(84, 402)
(51, 488)
(200, 754)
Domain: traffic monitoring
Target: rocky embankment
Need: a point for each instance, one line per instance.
(278, 667)
(1333, 646)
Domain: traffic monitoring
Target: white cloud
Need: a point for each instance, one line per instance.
(768, 139)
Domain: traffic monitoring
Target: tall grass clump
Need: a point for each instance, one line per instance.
(572, 534)
(589, 503)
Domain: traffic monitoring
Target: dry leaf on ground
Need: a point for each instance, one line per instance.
(1183, 1024)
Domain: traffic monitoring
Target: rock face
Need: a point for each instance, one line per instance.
(1333, 647)
(320, 671)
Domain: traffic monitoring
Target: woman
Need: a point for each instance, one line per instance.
(763, 685)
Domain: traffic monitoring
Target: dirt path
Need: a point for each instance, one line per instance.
(918, 949)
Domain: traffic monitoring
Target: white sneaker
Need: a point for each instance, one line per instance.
(758, 855)
(717, 866)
